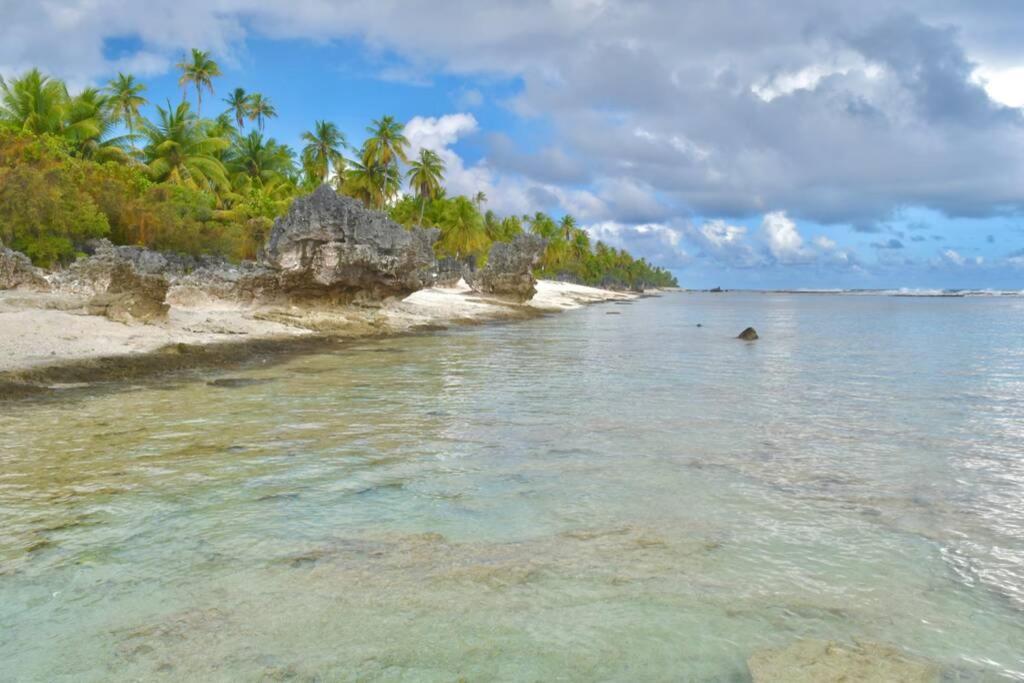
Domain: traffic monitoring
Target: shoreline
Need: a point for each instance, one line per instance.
(48, 343)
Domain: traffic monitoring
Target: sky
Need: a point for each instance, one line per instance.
(742, 144)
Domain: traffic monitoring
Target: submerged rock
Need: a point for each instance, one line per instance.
(749, 334)
(17, 271)
(817, 661)
(509, 269)
(329, 244)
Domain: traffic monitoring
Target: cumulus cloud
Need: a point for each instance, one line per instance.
(726, 244)
(783, 239)
(841, 113)
(659, 243)
(951, 257)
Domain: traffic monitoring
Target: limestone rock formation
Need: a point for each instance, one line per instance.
(116, 286)
(509, 269)
(331, 245)
(17, 271)
(816, 661)
(247, 282)
(749, 334)
(131, 296)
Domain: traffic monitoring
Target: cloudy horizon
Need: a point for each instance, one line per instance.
(741, 144)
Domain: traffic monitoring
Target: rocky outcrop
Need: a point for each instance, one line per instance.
(328, 245)
(816, 661)
(131, 296)
(749, 334)
(246, 282)
(17, 271)
(509, 269)
(117, 287)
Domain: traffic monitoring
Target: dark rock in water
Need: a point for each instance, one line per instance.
(699, 325)
(17, 271)
(749, 334)
(612, 313)
(331, 244)
(509, 269)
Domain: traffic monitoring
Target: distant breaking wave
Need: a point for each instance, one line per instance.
(942, 293)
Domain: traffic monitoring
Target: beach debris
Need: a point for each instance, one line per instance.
(818, 661)
(749, 334)
(509, 269)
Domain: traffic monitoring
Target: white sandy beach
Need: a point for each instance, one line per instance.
(38, 329)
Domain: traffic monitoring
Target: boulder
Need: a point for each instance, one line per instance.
(749, 334)
(131, 296)
(817, 661)
(331, 245)
(17, 271)
(509, 269)
(246, 282)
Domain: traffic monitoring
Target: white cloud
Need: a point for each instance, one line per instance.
(783, 240)
(659, 243)
(438, 133)
(1005, 86)
(824, 243)
(725, 243)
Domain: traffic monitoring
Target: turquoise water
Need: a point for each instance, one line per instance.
(580, 497)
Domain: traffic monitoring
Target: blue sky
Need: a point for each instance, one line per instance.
(832, 147)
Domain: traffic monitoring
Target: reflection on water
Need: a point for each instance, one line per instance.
(587, 497)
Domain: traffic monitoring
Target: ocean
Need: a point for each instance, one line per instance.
(622, 492)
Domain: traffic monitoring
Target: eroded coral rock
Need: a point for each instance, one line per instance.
(17, 271)
(817, 661)
(331, 245)
(509, 269)
(131, 296)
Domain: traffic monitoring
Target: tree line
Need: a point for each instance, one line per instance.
(90, 164)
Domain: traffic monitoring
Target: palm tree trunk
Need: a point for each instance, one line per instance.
(131, 134)
(199, 101)
(423, 206)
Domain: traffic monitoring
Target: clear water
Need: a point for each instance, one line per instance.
(581, 497)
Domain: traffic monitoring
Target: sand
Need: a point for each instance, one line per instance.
(41, 329)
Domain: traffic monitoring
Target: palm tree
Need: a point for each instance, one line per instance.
(373, 183)
(479, 198)
(258, 160)
(462, 229)
(260, 108)
(200, 72)
(386, 145)
(33, 103)
(125, 100)
(568, 225)
(239, 104)
(425, 177)
(179, 150)
(323, 151)
(88, 118)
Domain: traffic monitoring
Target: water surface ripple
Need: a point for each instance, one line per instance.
(579, 497)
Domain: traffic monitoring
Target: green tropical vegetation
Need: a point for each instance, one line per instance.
(74, 167)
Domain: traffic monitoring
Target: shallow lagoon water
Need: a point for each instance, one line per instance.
(578, 497)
